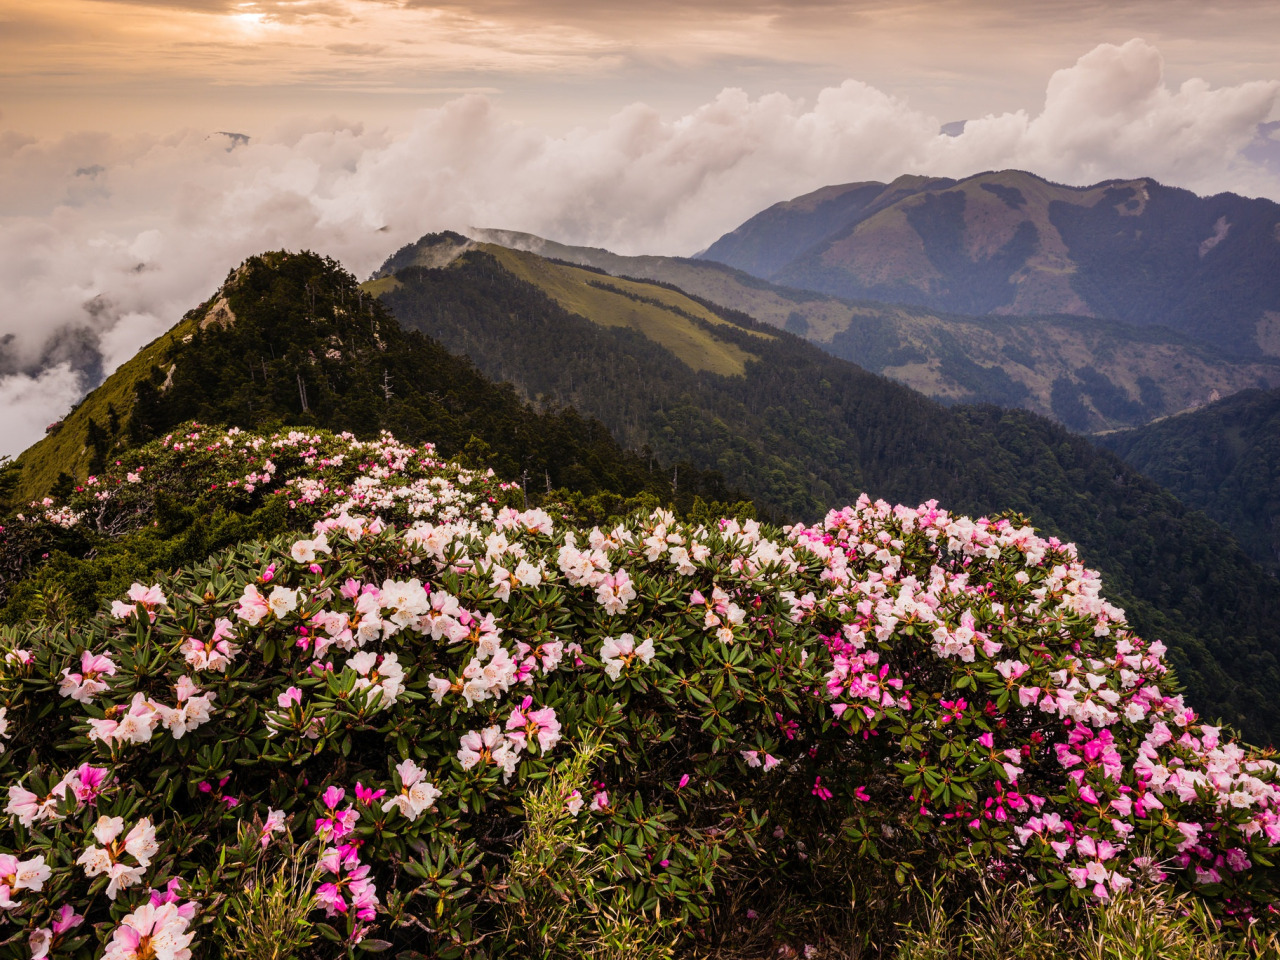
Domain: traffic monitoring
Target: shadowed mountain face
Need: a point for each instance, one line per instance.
(1088, 374)
(803, 431)
(1011, 243)
(1223, 459)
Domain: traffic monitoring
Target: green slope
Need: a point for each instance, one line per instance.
(1223, 459)
(66, 448)
(292, 339)
(1086, 373)
(803, 431)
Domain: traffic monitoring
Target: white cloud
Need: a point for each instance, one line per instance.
(114, 238)
(32, 402)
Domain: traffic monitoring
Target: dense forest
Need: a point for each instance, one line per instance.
(1223, 459)
(803, 431)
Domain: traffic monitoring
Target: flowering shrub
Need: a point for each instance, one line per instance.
(242, 483)
(896, 688)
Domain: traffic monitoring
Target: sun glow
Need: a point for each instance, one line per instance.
(250, 19)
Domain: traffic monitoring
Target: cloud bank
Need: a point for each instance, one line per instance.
(106, 241)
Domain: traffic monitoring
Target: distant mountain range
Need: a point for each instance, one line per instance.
(1010, 243)
(1086, 373)
(802, 431)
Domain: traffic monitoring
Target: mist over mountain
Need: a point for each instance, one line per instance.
(104, 238)
(1011, 243)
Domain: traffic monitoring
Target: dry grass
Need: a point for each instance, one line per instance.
(608, 302)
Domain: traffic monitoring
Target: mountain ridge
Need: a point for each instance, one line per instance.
(1087, 373)
(1223, 459)
(1009, 242)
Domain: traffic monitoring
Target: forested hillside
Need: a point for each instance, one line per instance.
(1088, 374)
(803, 431)
(1223, 459)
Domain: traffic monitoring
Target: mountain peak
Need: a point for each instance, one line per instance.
(433, 250)
(1010, 242)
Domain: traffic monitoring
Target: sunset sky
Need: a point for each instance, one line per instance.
(149, 65)
(640, 125)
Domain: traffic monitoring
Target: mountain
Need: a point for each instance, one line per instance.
(1008, 242)
(1086, 373)
(290, 340)
(803, 431)
(1223, 459)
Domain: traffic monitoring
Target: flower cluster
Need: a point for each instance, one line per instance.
(894, 687)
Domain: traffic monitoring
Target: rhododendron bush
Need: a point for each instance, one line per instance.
(896, 690)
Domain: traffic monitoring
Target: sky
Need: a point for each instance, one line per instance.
(148, 146)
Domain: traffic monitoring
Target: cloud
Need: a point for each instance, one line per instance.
(30, 403)
(105, 241)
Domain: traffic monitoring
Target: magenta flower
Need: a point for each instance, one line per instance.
(333, 796)
(365, 795)
(819, 791)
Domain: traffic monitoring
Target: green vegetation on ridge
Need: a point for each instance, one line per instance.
(291, 340)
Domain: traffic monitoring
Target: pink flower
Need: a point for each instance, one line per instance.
(171, 894)
(66, 919)
(333, 796)
(417, 794)
(525, 724)
(18, 875)
(151, 933)
(149, 598)
(353, 892)
(365, 795)
(274, 823)
(87, 782)
(39, 941)
(86, 684)
(819, 791)
(253, 605)
(293, 695)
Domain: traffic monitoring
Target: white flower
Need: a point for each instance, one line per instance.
(151, 933)
(621, 651)
(282, 601)
(381, 674)
(416, 796)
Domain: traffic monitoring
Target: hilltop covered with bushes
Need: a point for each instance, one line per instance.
(439, 722)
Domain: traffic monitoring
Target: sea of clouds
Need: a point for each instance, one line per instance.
(105, 241)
